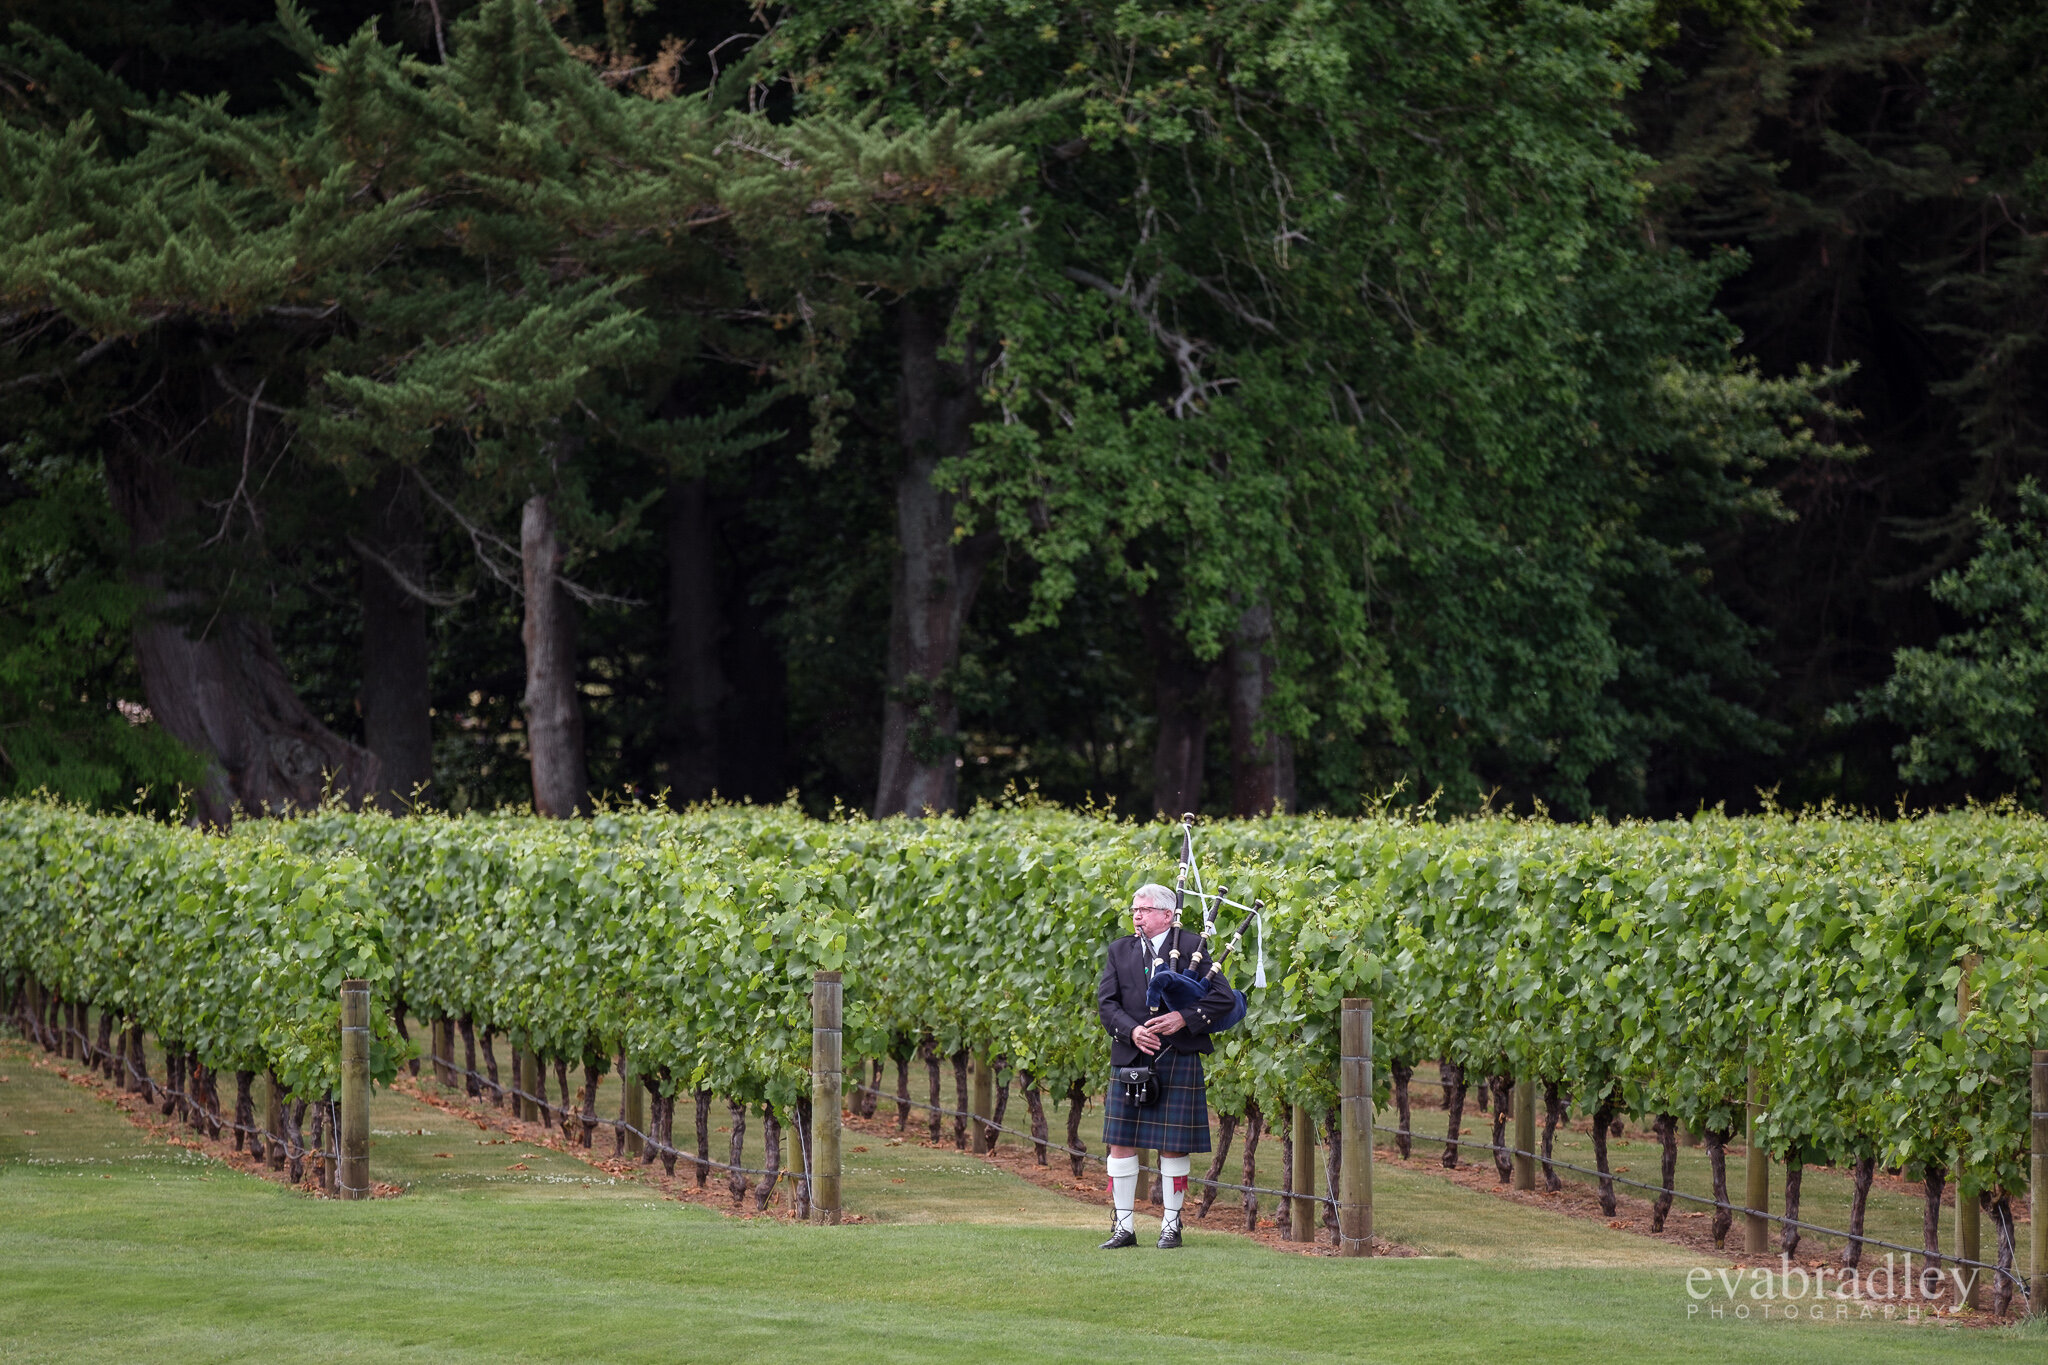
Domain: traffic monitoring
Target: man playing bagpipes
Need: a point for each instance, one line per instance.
(1157, 1098)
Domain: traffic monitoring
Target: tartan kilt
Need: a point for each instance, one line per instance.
(1178, 1122)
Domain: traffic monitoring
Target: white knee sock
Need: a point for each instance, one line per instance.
(1123, 1188)
(1174, 1171)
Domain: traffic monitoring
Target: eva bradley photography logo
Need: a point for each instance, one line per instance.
(1891, 1292)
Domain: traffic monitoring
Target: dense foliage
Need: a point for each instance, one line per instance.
(1318, 405)
(1644, 968)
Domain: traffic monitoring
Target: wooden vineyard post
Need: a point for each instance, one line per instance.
(826, 1000)
(2037, 1280)
(983, 1089)
(1354, 1196)
(1967, 1241)
(1525, 1133)
(1756, 1193)
(1301, 1216)
(353, 1179)
(636, 1106)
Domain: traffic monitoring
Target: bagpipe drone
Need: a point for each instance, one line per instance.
(1173, 989)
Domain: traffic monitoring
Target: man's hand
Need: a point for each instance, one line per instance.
(1167, 1023)
(1146, 1040)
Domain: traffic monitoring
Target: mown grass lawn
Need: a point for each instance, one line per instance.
(114, 1248)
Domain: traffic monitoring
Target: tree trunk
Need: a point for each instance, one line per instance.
(1859, 1200)
(771, 1147)
(1261, 758)
(737, 1182)
(1227, 1123)
(494, 1092)
(928, 1049)
(864, 1099)
(1402, 1074)
(665, 1128)
(1999, 1210)
(800, 1119)
(960, 1093)
(1788, 1232)
(695, 684)
(1503, 1088)
(212, 678)
(138, 1066)
(1254, 1126)
(902, 1093)
(1333, 1165)
(1667, 1137)
(1553, 1114)
(648, 1150)
(1717, 1162)
(295, 1140)
(397, 725)
(1283, 1218)
(1930, 1222)
(936, 577)
(1077, 1100)
(592, 1073)
(472, 1083)
(703, 1098)
(1035, 1104)
(1603, 1114)
(246, 1135)
(1184, 694)
(554, 718)
(993, 1129)
(1454, 1111)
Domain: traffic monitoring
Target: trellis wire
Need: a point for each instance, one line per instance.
(660, 1148)
(664, 1149)
(1329, 1202)
(193, 1103)
(1050, 1145)
(1710, 1202)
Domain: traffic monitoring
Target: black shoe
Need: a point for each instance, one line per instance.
(1169, 1234)
(1118, 1239)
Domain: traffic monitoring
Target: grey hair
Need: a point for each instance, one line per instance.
(1152, 896)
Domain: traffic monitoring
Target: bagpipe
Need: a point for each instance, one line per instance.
(1173, 989)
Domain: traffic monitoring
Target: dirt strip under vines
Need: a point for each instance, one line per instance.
(147, 1116)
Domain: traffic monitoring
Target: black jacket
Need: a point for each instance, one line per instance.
(1121, 995)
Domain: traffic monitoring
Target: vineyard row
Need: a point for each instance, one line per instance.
(1852, 991)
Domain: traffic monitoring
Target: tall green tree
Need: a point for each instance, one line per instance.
(1982, 692)
(1330, 333)
(468, 250)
